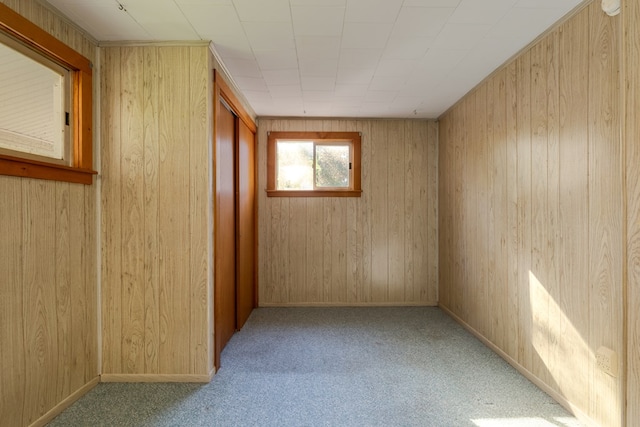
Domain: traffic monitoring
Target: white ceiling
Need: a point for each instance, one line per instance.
(337, 58)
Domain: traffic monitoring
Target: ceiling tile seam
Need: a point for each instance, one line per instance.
(295, 46)
(244, 31)
(196, 32)
(440, 32)
(124, 9)
(395, 22)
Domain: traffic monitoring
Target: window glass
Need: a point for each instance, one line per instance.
(313, 164)
(295, 165)
(32, 112)
(332, 166)
(46, 104)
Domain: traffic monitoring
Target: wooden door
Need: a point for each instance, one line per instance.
(246, 224)
(235, 286)
(225, 233)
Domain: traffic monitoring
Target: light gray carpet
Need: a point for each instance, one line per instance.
(337, 367)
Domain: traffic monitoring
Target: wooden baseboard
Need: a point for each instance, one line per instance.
(56, 410)
(348, 304)
(156, 378)
(577, 412)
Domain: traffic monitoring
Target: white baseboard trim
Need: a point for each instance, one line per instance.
(56, 410)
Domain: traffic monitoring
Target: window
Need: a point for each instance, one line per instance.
(313, 164)
(33, 114)
(45, 116)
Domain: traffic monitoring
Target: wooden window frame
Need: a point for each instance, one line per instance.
(354, 138)
(80, 170)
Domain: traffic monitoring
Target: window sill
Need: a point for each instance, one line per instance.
(316, 193)
(14, 166)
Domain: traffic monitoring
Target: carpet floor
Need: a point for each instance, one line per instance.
(410, 366)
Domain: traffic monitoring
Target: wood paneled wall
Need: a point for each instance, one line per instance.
(156, 260)
(379, 249)
(531, 213)
(631, 136)
(48, 285)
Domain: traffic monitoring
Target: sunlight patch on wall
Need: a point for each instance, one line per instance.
(559, 345)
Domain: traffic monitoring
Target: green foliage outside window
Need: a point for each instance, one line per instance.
(332, 166)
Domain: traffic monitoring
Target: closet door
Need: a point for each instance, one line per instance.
(235, 224)
(246, 221)
(225, 233)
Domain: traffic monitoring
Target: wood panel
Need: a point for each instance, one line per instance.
(174, 217)
(498, 295)
(571, 364)
(111, 218)
(458, 244)
(379, 249)
(151, 191)
(465, 202)
(155, 210)
(554, 217)
(132, 252)
(523, 147)
(630, 17)
(605, 215)
(445, 208)
(395, 210)
(12, 327)
(48, 303)
(539, 297)
(199, 128)
(475, 195)
(427, 240)
(511, 330)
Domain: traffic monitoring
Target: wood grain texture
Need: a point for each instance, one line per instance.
(174, 218)
(199, 131)
(570, 321)
(111, 211)
(445, 209)
(511, 330)
(553, 225)
(48, 304)
(12, 327)
(457, 254)
(553, 209)
(378, 249)
(379, 213)
(467, 209)
(523, 147)
(552, 252)
(427, 240)
(539, 298)
(151, 212)
(155, 210)
(132, 249)
(497, 301)
(605, 215)
(630, 16)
